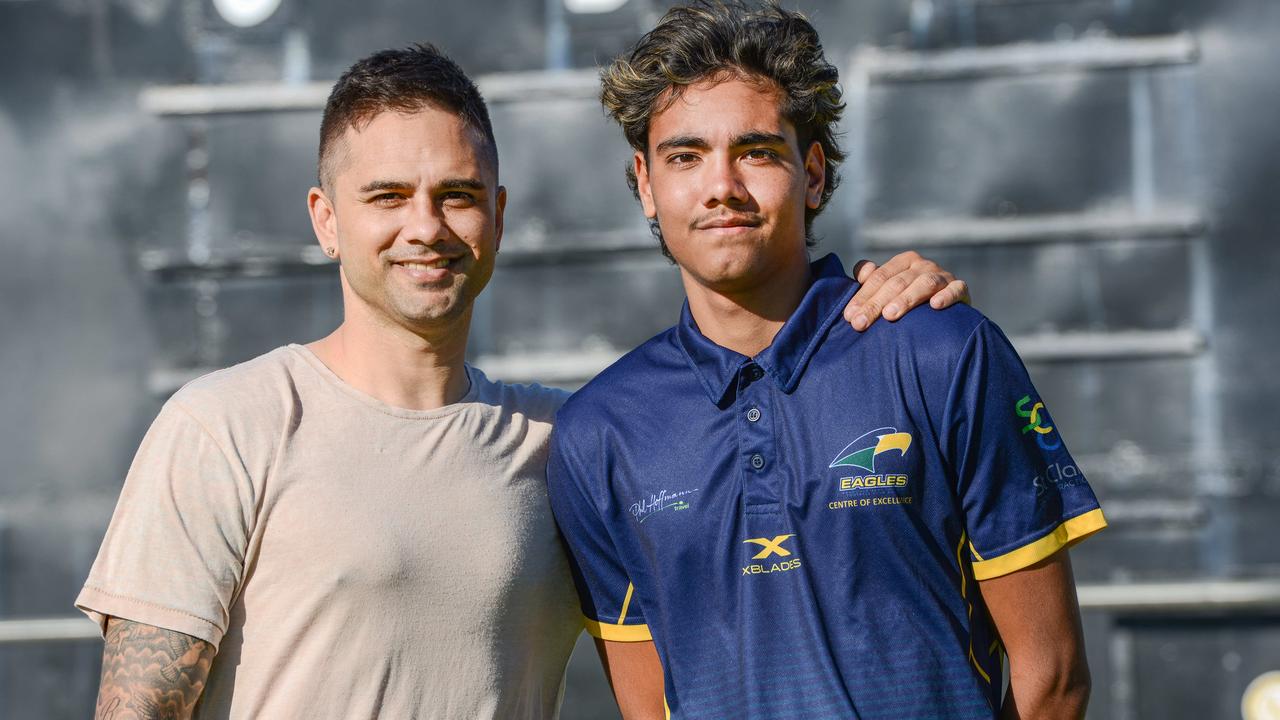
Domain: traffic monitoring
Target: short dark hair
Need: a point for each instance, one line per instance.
(405, 80)
(715, 40)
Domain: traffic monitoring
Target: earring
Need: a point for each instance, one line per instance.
(331, 252)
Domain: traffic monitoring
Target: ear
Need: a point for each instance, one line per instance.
(643, 188)
(499, 207)
(323, 220)
(815, 171)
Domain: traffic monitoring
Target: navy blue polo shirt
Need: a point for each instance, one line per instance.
(800, 533)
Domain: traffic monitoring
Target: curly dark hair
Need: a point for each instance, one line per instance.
(722, 39)
(403, 80)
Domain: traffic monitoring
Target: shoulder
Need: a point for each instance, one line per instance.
(536, 402)
(261, 392)
(634, 376)
(951, 327)
(924, 333)
(926, 348)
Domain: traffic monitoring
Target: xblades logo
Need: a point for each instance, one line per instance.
(1039, 422)
(769, 547)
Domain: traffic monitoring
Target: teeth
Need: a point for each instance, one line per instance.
(433, 265)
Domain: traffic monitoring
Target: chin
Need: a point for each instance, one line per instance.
(421, 313)
(728, 268)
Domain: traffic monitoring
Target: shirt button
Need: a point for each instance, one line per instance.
(757, 461)
(754, 373)
(753, 414)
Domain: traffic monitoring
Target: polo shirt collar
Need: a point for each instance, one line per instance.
(785, 359)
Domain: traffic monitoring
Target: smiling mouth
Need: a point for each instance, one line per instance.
(429, 271)
(437, 264)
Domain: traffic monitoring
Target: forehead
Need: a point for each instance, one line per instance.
(420, 145)
(721, 109)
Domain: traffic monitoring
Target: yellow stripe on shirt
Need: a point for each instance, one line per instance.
(1068, 533)
(626, 603)
(617, 632)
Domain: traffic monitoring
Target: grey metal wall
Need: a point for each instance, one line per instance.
(1100, 170)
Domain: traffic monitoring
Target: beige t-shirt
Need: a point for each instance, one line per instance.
(349, 559)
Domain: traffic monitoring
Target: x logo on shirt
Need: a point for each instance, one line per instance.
(771, 547)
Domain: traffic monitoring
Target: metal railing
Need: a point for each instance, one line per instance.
(1090, 54)
(1026, 230)
(1143, 598)
(240, 98)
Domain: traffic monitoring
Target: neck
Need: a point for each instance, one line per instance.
(403, 368)
(746, 319)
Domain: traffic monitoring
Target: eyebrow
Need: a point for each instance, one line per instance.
(459, 183)
(386, 185)
(753, 137)
(757, 137)
(683, 141)
(462, 183)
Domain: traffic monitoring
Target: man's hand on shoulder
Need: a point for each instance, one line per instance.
(906, 281)
(150, 673)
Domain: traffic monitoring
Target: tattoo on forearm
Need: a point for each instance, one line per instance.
(149, 673)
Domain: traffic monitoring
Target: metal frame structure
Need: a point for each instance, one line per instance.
(1120, 604)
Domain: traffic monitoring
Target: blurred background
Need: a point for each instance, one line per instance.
(1102, 173)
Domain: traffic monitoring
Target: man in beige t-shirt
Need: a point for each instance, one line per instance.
(359, 528)
(348, 558)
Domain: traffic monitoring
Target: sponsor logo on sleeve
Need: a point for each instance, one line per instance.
(1058, 475)
(1036, 422)
(1037, 418)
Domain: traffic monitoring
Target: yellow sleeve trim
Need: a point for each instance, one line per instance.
(617, 633)
(1068, 533)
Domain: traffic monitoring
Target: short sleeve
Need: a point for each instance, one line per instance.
(609, 607)
(1023, 495)
(173, 554)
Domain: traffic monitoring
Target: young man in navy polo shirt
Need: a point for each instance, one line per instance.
(769, 514)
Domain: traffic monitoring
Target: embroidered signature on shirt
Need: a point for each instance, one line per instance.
(659, 501)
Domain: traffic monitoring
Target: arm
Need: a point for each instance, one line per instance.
(906, 281)
(635, 674)
(1038, 617)
(612, 606)
(150, 673)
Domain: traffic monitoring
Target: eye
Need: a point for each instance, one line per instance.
(457, 198)
(387, 199)
(684, 158)
(760, 154)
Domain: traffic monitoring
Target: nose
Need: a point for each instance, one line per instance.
(425, 224)
(724, 182)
